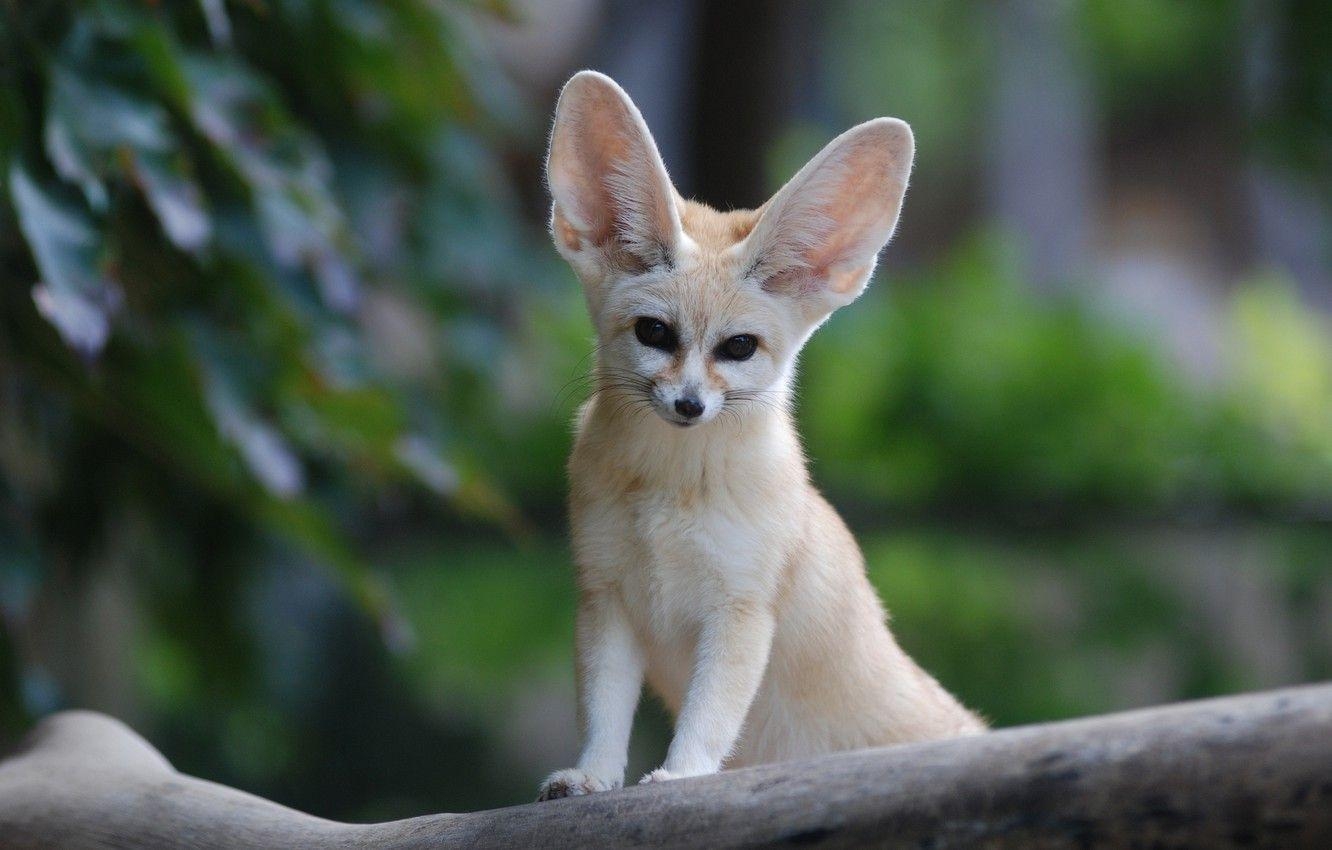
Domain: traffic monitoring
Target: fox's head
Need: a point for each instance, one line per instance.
(700, 312)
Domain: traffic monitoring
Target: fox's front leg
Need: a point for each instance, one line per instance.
(610, 677)
(728, 669)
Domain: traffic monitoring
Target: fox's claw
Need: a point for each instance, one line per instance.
(658, 775)
(571, 783)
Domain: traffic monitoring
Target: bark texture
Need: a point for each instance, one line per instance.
(1246, 771)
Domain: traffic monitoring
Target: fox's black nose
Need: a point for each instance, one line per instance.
(688, 407)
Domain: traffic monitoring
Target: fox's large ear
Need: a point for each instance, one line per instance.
(819, 237)
(614, 205)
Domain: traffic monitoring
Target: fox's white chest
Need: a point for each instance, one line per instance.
(689, 554)
(678, 568)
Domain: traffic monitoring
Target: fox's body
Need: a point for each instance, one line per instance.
(732, 515)
(709, 566)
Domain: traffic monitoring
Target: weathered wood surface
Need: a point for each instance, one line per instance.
(1247, 771)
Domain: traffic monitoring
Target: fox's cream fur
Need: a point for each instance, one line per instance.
(709, 565)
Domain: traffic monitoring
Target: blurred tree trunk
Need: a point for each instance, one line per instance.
(1041, 147)
(716, 82)
(753, 63)
(83, 628)
(1291, 222)
(646, 47)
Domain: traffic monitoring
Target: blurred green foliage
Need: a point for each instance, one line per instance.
(1179, 51)
(919, 56)
(264, 271)
(983, 394)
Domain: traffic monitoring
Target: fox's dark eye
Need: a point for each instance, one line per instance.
(654, 333)
(739, 347)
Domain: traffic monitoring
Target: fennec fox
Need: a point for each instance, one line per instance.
(708, 563)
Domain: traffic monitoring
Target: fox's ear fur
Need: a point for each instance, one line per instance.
(819, 237)
(614, 205)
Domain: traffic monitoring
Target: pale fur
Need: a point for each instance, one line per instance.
(708, 564)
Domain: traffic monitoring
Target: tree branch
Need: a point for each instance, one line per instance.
(1246, 771)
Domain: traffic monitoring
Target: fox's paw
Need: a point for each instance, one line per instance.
(571, 783)
(661, 774)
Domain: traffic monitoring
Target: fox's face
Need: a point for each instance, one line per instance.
(695, 339)
(701, 314)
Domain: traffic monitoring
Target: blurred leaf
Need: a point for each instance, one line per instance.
(287, 175)
(93, 127)
(268, 456)
(419, 456)
(176, 199)
(93, 119)
(266, 453)
(73, 294)
(219, 25)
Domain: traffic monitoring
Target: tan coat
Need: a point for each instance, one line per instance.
(709, 565)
